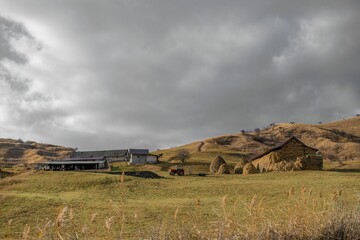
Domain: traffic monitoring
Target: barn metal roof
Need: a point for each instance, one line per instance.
(72, 162)
(139, 151)
(104, 153)
(83, 159)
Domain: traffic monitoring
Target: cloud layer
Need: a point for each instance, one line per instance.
(117, 74)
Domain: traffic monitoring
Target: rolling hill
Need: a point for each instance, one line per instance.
(338, 140)
(14, 152)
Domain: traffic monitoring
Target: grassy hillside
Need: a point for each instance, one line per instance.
(336, 140)
(15, 152)
(52, 204)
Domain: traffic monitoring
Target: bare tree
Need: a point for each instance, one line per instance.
(182, 155)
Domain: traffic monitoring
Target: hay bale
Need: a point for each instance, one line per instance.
(239, 167)
(274, 157)
(298, 164)
(223, 169)
(249, 168)
(216, 163)
(267, 162)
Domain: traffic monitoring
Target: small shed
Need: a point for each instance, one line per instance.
(142, 156)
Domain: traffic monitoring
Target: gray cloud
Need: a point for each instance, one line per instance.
(157, 74)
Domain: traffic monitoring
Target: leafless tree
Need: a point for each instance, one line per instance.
(182, 155)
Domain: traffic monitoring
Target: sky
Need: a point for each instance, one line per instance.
(161, 73)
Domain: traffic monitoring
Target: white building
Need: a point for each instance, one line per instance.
(142, 156)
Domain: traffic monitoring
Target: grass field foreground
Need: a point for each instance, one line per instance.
(98, 205)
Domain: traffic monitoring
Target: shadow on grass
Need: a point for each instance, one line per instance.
(166, 166)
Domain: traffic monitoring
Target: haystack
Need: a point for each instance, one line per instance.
(223, 169)
(249, 168)
(239, 167)
(216, 163)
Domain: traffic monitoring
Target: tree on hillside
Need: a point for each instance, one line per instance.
(182, 155)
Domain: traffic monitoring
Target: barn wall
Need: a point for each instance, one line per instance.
(151, 159)
(294, 149)
(138, 159)
(116, 159)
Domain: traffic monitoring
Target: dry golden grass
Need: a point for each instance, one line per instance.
(336, 141)
(302, 214)
(19, 152)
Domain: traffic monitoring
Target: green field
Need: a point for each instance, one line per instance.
(100, 206)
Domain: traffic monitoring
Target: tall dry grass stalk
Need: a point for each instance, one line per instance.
(93, 216)
(122, 177)
(108, 222)
(61, 218)
(26, 232)
(302, 214)
(176, 213)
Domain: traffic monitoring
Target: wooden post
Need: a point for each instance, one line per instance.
(122, 177)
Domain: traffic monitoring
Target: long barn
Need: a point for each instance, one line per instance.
(69, 164)
(110, 155)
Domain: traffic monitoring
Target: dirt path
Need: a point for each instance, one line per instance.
(200, 146)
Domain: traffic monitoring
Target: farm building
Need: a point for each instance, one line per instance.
(76, 164)
(142, 156)
(109, 155)
(292, 154)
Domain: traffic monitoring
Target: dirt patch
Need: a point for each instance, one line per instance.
(200, 146)
(142, 174)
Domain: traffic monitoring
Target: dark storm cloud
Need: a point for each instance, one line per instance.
(159, 73)
(9, 30)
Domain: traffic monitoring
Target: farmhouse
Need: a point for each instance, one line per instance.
(292, 154)
(76, 164)
(142, 156)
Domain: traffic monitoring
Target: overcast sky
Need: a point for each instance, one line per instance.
(154, 74)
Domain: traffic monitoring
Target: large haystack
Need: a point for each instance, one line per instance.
(249, 168)
(289, 156)
(216, 163)
(239, 167)
(223, 169)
